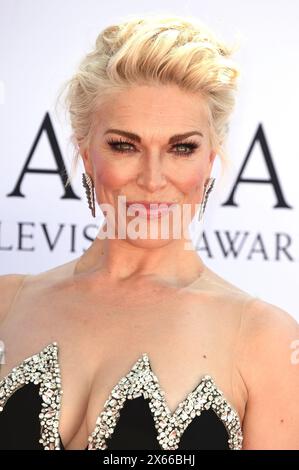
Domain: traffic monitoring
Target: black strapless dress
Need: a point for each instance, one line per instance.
(135, 415)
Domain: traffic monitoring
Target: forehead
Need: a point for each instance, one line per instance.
(159, 110)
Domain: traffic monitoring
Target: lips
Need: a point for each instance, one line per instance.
(148, 204)
(150, 209)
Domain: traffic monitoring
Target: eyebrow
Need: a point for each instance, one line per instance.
(137, 138)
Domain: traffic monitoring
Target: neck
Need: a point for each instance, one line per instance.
(119, 260)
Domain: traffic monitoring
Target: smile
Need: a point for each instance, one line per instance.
(149, 209)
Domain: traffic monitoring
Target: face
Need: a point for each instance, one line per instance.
(134, 153)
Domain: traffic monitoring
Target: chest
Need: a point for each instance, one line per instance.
(102, 338)
(135, 415)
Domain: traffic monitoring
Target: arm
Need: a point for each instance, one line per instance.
(269, 366)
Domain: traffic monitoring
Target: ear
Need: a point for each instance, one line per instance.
(212, 156)
(86, 160)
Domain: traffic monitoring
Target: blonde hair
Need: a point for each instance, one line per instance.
(154, 49)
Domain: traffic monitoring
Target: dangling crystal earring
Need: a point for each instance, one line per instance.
(89, 188)
(208, 188)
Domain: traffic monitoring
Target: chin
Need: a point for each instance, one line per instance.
(148, 243)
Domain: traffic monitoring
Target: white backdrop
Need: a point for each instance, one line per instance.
(251, 237)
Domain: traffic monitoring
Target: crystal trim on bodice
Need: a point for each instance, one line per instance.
(43, 368)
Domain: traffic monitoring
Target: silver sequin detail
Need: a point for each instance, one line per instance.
(43, 368)
(170, 426)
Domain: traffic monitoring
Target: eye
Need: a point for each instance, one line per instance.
(190, 146)
(120, 146)
(123, 146)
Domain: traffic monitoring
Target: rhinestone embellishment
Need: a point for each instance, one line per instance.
(43, 369)
(170, 426)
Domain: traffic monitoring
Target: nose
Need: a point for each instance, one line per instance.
(151, 175)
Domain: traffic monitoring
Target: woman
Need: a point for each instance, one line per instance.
(151, 348)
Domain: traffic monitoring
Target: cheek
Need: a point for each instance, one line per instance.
(190, 176)
(192, 183)
(108, 175)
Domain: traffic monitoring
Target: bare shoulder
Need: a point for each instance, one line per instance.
(9, 286)
(217, 282)
(265, 321)
(213, 283)
(269, 364)
(261, 321)
(260, 316)
(270, 343)
(62, 272)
